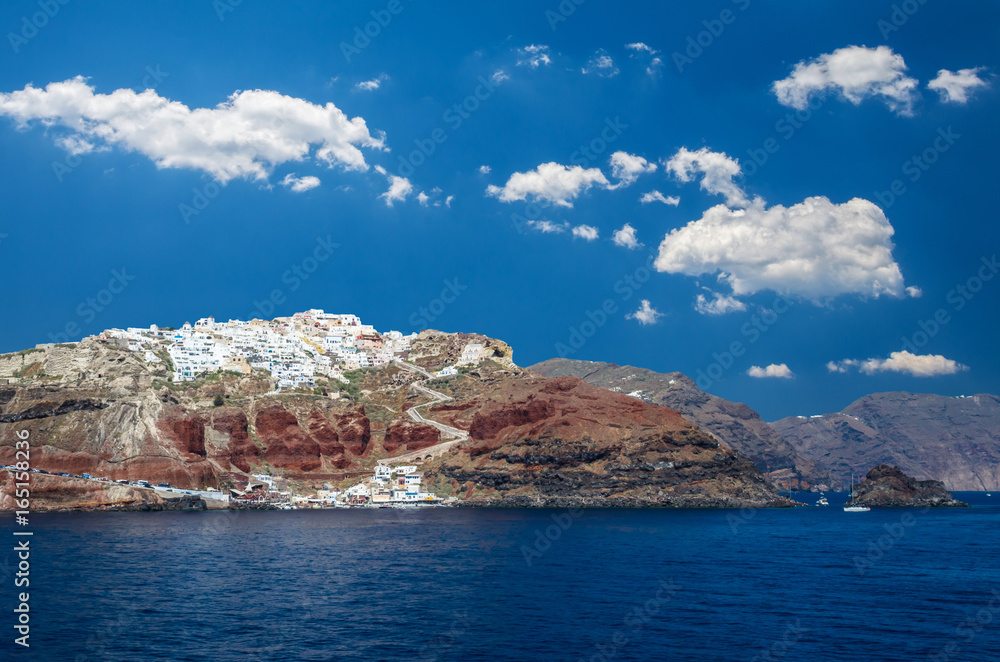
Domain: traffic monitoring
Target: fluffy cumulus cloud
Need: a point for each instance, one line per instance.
(717, 171)
(645, 314)
(915, 365)
(550, 182)
(499, 76)
(957, 86)
(300, 184)
(373, 84)
(855, 73)
(626, 167)
(718, 304)
(656, 196)
(243, 137)
(778, 371)
(814, 249)
(485, 170)
(601, 64)
(625, 237)
(586, 232)
(534, 56)
(399, 188)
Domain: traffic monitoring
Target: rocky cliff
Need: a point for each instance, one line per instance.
(97, 407)
(888, 486)
(561, 441)
(955, 440)
(733, 423)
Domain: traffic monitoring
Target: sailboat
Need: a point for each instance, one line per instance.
(853, 507)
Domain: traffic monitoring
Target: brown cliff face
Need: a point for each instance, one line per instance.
(53, 493)
(410, 436)
(561, 441)
(888, 486)
(733, 423)
(232, 425)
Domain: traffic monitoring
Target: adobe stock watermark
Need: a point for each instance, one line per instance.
(424, 316)
(714, 27)
(294, 276)
(584, 156)
(37, 21)
(562, 12)
(545, 538)
(634, 621)
(594, 320)
(959, 297)
(223, 7)
(453, 118)
(914, 167)
(92, 306)
(364, 34)
(898, 17)
(967, 631)
(785, 129)
(753, 331)
(153, 77)
(779, 649)
(879, 547)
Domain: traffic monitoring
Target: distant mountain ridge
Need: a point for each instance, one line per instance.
(952, 439)
(735, 424)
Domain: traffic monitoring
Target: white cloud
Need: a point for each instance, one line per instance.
(641, 47)
(549, 182)
(625, 237)
(812, 249)
(447, 201)
(548, 226)
(627, 167)
(915, 365)
(856, 73)
(955, 86)
(601, 64)
(499, 76)
(373, 84)
(656, 196)
(300, 184)
(645, 314)
(588, 232)
(914, 292)
(780, 371)
(719, 304)
(485, 170)
(644, 51)
(534, 56)
(399, 188)
(245, 136)
(423, 198)
(716, 168)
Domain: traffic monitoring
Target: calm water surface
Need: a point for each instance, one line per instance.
(810, 584)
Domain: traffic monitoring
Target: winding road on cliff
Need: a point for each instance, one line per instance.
(436, 398)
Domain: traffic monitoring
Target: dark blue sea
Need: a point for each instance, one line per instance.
(811, 584)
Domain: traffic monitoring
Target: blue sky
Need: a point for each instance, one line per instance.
(108, 199)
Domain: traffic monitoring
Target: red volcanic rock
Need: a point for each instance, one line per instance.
(188, 433)
(286, 445)
(354, 430)
(328, 440)
(414, 436)
(488, 423)
(242, 450)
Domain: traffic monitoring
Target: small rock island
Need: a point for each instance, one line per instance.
(887, 486)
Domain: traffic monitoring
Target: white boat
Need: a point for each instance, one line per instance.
(822, 501)
(853, 507)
